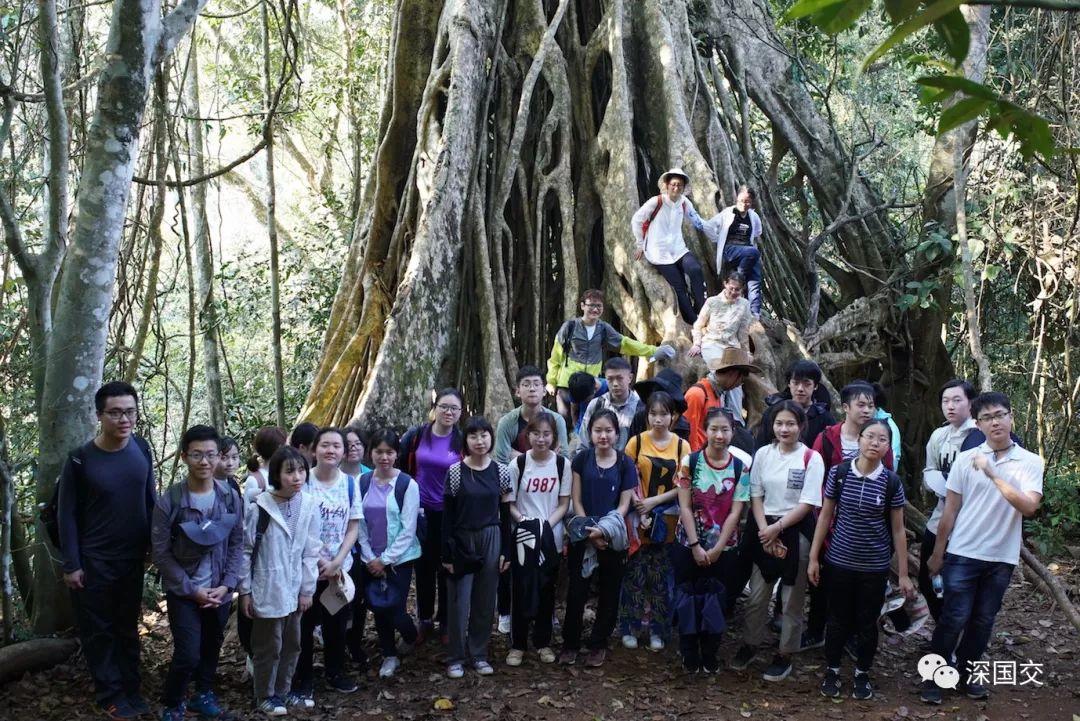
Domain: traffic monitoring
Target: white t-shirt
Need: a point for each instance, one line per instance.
(783, 481)
(537, 492)
(941, 451)
(590, 330)
(255, 484)
(987, 527)
(335, 512)
(848, 449)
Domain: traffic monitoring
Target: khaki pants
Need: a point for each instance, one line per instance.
(275, 648)
(793, 599)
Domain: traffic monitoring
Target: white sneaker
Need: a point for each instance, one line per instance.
(504, 624)
(515, 657)
(390, 664)
(629, 641)
(546, 655)
(483, 668)
(656, 643)
(455, 670)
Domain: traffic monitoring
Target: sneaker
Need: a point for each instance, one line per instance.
(811, 641)
(975, 691)
(691, 666)
(515, 657)
(779, 669)
(483, 668)
(341, 683)
(930, 693)
(830, 685)
(743, 657)
(596, 658)
(120, 709)
(424, 631)
(138, 705)
(504, 624)
(272, 706)
(656, 643)
(709, 666)
(568, 657)
(546, 655)
(176, 713)
(629, 641)
(389, 667)
(862, 690)
(299, 699)
(455, 670)
(205, 704)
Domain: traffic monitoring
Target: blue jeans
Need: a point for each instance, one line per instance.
(748, 260)
(973, 593)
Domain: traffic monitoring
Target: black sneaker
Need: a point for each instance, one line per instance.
(743, 657)
(709, 666)
(975, 691)
(691, 667)
(862, 690)
(930, 693)
(830, 685)
(779, 669)
(341, 683)
(811, 641)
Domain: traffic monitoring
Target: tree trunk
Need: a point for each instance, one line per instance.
(204, 255)
(271, 227)
(139, 38)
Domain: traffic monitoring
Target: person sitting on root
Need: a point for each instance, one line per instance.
(658, 230)
(724, 321)
(736, 231)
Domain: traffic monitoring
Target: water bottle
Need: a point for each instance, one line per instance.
(939, 586)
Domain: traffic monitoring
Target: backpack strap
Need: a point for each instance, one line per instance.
(365, 483)
(401, 487)
(176, 494)
(560, 465)
(826, 447)
(351, 481)
(806, 456)
(571, 328)
(695, 458)
(520, 463)
(652, 216)
(842, 471)
(260, 530)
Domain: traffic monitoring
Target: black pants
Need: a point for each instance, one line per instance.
(354, 637)
(391, 620)
(925, 586)
(197, 636)
(855, 600)
(541, 623)
(107, 611)
(612, 565)
(430, 575)
(702, 647)
(676, 274)
(818, 615)
(333, 633)
(503, 602)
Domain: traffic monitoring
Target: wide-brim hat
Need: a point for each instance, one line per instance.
(734, 358)
(675, 171)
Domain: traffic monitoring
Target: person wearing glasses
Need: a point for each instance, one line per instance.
(579, 346)
(427, 452)
(989, 491)
(106, 500)
(197, 536)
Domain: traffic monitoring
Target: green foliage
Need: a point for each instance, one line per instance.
(1058, 521)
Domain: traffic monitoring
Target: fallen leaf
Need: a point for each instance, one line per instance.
(443, 704)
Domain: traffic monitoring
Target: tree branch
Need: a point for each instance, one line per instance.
(13, 237)
(175, 25)
(8, 91)
(188, 182)
(1066, 5)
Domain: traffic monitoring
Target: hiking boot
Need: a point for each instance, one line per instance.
(596, 657)
(119, 709)
(830, 685)
(515, 657)
(743, 657)
(930, 693)
(779, 669)
(862, 690)
(341, 683)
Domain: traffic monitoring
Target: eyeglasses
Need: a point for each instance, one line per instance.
(355, 444)
(999, 416)
(880, 440)
(199, 457)
(116, 414)
(530, 385)
(447, 408)
(594, 306)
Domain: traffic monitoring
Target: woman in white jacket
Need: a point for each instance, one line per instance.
(281, 554)
(736, 231)
(389, 545)
(657, 227)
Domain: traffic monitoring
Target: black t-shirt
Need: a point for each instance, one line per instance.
(521, 440)
(739, 230)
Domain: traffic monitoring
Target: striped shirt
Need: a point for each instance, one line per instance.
(860, 538)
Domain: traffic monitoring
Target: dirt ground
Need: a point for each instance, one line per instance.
(632, 685)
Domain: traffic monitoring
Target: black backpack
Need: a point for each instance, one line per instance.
(892, 485)
(401, 487)
(49, 513)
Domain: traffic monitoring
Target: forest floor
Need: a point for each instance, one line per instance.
(633, 684)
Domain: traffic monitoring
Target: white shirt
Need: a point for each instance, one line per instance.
(538, 491)
(782, 480)
(988, 528)
(848, 449)
(335, 513)
(941, 452)
(664, 244)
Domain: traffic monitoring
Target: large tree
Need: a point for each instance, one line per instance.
(517, 139)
